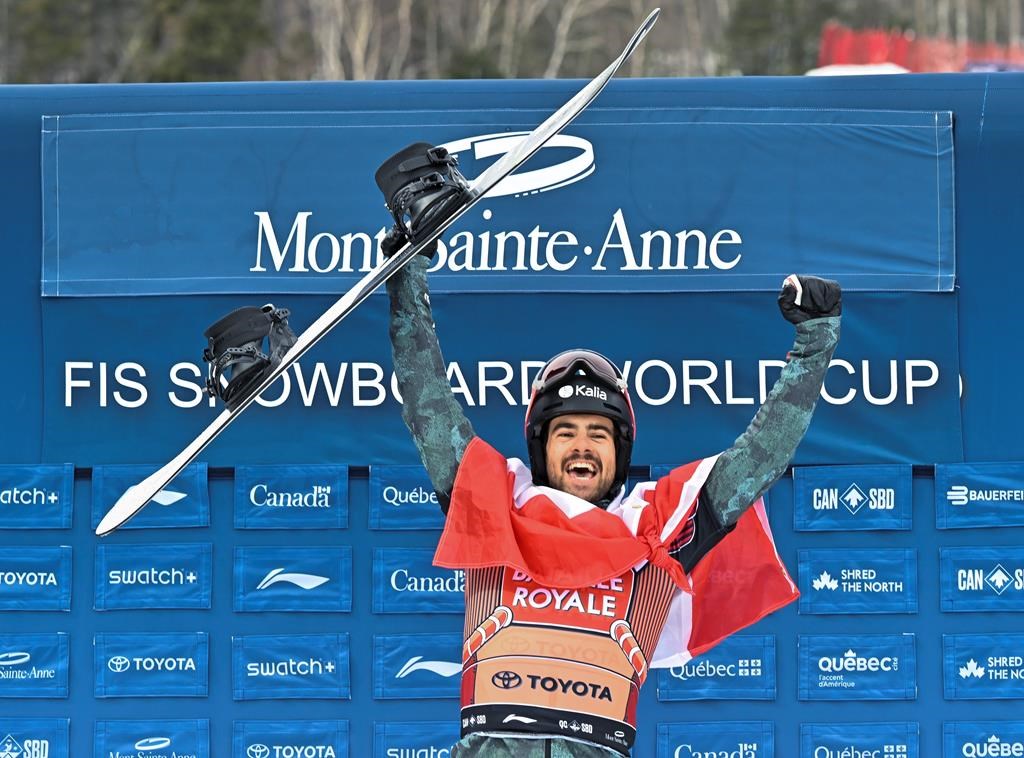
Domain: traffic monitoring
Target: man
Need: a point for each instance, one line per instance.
(574, 587)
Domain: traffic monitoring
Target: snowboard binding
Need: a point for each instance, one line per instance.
(237, 363)
(421, 185)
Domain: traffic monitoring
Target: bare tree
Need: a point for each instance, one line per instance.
(328, 26)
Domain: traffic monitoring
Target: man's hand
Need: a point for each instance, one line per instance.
(396, 238)
(806, 297)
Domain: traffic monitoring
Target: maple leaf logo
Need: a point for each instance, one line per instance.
(972, 669)
(825, 582)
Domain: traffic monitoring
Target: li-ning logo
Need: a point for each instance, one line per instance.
(960, 494)
(305, 581)
(993, 747)
(441, 668)
(578, 166)
(152, 743)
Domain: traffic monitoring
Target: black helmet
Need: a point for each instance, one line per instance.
(580, 381)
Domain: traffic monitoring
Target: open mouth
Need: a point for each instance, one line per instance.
(581, 470)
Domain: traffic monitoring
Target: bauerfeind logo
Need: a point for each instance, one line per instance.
(960, 494)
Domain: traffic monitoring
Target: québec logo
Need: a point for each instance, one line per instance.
(993, 747)
(851, 662)
(441, 668)
(852, 751)
(825, 582)
(703, 669)
(304, 581)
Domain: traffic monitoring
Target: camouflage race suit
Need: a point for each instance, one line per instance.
(739, 477)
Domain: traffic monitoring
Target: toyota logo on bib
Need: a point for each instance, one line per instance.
(118, 664)
(506, 680)
(259, 750)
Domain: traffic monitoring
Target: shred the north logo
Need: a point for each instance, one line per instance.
(825, 582)
(972, 669)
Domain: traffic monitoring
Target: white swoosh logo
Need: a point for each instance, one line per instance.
(514, 717)
(153, 743)
(168, 497)
(305, 581)
(441, 668)
(14, 659)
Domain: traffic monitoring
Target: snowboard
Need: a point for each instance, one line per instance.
(136, 497)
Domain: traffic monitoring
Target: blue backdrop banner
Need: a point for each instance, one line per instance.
(857, 667)
(832, 498)
(34, 665)
(405, 581)
(128, 209)
(741, 667)
(291, 497)
(163, 575)
(979, 739)
(291, 666)
(34, 738)
(35, 578)
(277, 739)
(874, 580)
(152, 737)
(982, 578)
(392, 739)
(184, 502)
(878, 740)
(417, 665)
(36, 497)
(983, 666)
(293, 579)
(151, 664)
(979, 495)
(402, 497)
(743, 739)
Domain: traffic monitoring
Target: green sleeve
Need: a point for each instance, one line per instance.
(439, 427)
(761, 454)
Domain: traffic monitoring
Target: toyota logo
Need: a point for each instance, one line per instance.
(506, 680)
(14, 659)
(118, 664)
(258, 750)
(152, 743)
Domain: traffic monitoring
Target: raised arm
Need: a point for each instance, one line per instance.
(439, 427)
(761, 454)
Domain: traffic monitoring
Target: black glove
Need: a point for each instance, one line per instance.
(396, 238)
(806, 297)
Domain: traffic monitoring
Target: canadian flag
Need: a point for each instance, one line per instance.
(499, 517)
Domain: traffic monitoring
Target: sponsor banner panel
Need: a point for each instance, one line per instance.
(316, 228)
(405, 581)
(848, 498)
(975, 495)
(982, 739)
(35, 578)
(878, 740)
(39, 496)
(741, 667)
(744, 739)
(982, 578)
(166, 575)
(857, 667)
(291, 666)
(34, 665)
(34, 738)
(414, 738)
(417, 665)
(293, 579)
(983, 666)
(290, 739)
(188, 738)
(159, 664)
(402, 497)
(182, 503)
(843, 580)
(313, 496)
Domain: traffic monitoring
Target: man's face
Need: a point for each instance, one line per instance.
(580, 453)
